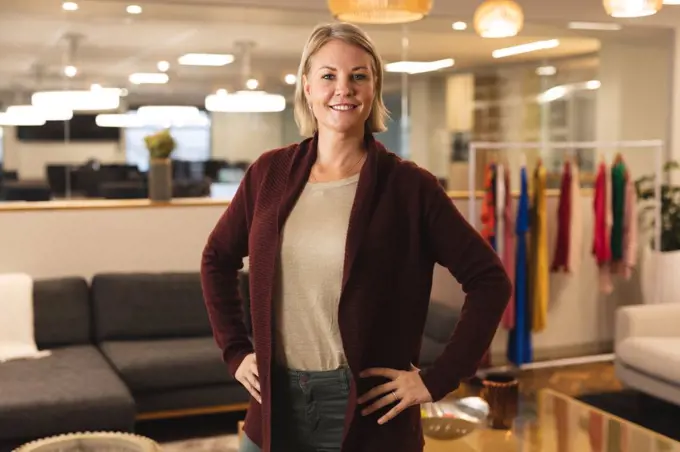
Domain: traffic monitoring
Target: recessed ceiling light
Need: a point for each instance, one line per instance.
(163, 66)
(600, 26)
(69, 6)
(205, 59)
(252, 83)
(459, 26)
(418, 67)
(70, 71)
(546, 70)
(140, 78)
(525, 48)
(134, 9)
(290, 79)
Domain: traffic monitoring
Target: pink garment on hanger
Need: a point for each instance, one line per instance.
(601, 245)
(508, 319)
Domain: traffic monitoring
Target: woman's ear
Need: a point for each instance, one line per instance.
(305, 86)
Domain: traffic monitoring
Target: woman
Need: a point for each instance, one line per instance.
(342, 237)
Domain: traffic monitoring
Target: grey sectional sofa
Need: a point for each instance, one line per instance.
(127, 347)
(73, 389)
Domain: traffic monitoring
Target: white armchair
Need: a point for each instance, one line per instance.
(647, 349)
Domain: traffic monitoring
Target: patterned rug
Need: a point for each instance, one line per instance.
(641, 409)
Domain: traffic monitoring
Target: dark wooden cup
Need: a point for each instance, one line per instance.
(501, 392)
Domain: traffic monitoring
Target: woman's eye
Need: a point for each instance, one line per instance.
(360, 76)
(327, 76)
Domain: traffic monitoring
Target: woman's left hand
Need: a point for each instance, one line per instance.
(405, 387)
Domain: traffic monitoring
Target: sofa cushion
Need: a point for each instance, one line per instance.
(74, 389)
(61, 312)
(167, 364)
(145, 305)
(654, 356)
(429, 351)
(441, 321)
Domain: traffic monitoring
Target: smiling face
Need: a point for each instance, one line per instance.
(340, 87)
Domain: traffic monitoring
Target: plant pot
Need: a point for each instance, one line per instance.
(160, 180)
(659, 277)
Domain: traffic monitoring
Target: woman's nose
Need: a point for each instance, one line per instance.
(343, 87)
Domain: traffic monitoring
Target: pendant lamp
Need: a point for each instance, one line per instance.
(632, 8)
(498, 19)
(380, 11)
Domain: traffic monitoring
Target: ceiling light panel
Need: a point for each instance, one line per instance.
(141, 78)
(525, 48)
(205, 59)
(418, 67)
(597, 26)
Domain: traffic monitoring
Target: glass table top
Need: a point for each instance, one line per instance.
(559, 423)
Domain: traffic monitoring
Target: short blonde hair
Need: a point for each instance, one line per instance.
(351, 34)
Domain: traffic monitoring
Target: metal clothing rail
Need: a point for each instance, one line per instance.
(656, 145)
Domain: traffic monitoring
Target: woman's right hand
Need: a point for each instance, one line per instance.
(247, 375)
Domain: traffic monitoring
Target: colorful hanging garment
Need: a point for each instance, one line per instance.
(508, 256)
(562, 247)
(538, 263)
(630, 230)
(519, 340)
(499, 187)
(618, 206)
(576, 220)
(601, 244)
(488, 214)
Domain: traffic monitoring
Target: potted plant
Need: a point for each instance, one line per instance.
(160, 146)
(661, 264)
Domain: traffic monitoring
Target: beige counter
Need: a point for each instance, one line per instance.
(96, 204)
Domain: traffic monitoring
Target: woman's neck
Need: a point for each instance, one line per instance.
(335, 151)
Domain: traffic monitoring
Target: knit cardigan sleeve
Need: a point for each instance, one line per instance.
(456, 245)
(222, 258)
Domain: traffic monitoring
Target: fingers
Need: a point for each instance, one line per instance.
(253, 392)
(377, 391)
(253, 369)
(401, 406)
(392, 374)
(390, 398)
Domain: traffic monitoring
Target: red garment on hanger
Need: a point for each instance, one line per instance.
(561, 256)
(601, 246)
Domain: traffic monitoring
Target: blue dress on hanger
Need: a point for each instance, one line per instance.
(519, 341)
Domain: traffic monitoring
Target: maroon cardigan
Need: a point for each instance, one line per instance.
(401, 224)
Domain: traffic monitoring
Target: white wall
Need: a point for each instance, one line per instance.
(635, 99)
(171, 239)
(245, 136)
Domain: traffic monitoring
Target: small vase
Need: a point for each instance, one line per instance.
(160, 180)
(501, 392)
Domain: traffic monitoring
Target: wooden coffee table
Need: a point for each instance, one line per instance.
(92, 442)
(560, 424)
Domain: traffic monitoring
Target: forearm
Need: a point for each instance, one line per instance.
(480, 316)
(219, 276)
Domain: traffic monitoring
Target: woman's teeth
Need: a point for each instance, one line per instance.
(343, 107)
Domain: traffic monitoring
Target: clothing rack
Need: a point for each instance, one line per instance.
(611, 154)
(646, 145)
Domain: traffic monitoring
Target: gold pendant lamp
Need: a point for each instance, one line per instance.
(632, 8)
(380, 11)
(498, 19)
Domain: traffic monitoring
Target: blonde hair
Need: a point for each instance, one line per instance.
(350, 34)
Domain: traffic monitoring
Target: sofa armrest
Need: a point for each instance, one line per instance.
(658, 320)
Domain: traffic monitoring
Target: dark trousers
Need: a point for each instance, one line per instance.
(308, 411)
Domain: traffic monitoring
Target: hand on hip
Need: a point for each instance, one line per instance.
(247, 375)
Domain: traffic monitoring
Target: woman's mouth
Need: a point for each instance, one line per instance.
(343, 107)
